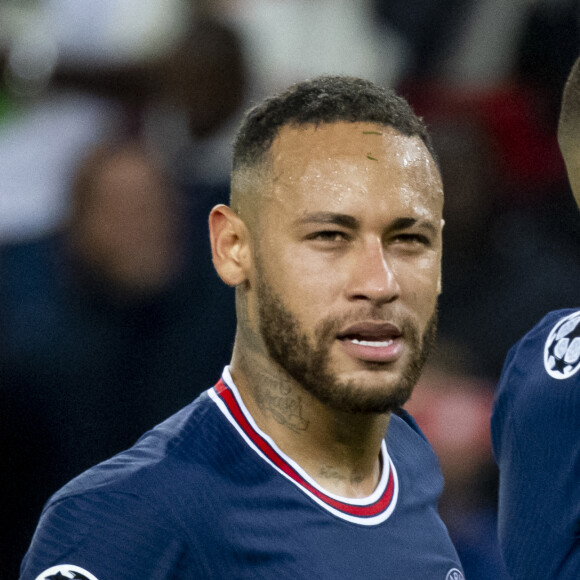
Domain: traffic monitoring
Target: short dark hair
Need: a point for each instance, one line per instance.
(324, 99)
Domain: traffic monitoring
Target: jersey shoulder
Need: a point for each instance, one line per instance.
(534, 427)
(412, 454)
(547, 354)
(137, 498)
(537, 401)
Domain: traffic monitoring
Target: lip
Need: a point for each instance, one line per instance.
(372, 341)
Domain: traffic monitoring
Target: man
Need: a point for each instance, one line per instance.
(536, 423)
(282, 470)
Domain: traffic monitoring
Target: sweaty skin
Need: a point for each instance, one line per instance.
(337, 253)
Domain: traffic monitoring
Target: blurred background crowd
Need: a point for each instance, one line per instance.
(116, 119)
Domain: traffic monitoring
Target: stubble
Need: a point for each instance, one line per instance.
(308, 362)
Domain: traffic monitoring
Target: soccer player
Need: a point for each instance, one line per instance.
(299, 462)
(536, 421)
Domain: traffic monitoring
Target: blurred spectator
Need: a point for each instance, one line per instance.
(124, 232)
(202, 87)
(430, 29)
(39, 145)
(289, 40)
(107, 328)
(452, 406)
(72, 71)
(498, 37)
(478, 44)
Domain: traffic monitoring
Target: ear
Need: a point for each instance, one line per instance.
(230, 245)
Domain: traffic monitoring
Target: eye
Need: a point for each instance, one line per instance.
(329, 236)
(413, 239)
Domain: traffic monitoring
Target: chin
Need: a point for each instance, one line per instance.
(362, 395)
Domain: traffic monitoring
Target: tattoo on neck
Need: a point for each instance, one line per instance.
(329, 472)
(283, 406)
(273, 396)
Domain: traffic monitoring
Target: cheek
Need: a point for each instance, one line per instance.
(306, 281)
(420, 283)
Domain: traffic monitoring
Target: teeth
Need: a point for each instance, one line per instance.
(375, 343)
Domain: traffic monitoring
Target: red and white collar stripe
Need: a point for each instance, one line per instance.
(368, 511)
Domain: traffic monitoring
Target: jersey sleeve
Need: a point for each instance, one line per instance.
(536, 442)
(104, 536)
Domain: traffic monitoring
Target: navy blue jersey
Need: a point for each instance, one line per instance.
(536, 441)
(206, 494)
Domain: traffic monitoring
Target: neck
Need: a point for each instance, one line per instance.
(340, 451)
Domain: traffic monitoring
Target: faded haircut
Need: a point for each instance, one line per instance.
(324, 99)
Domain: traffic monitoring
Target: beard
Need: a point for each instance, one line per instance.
(308, 362)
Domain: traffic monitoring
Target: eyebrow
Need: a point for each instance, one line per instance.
(406, 223)
(326, 217)
(348, 221)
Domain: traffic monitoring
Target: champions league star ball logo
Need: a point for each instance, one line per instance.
(454, 574)
(562, 350)
(66, 572)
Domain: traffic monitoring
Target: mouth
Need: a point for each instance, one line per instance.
(372, 341)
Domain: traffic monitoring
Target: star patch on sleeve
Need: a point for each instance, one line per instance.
(562, 349)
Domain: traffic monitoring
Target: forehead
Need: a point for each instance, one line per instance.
(341, 163)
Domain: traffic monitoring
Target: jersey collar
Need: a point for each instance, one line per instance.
(368, 511)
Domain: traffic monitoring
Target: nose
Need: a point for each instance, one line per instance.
(372, 277)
